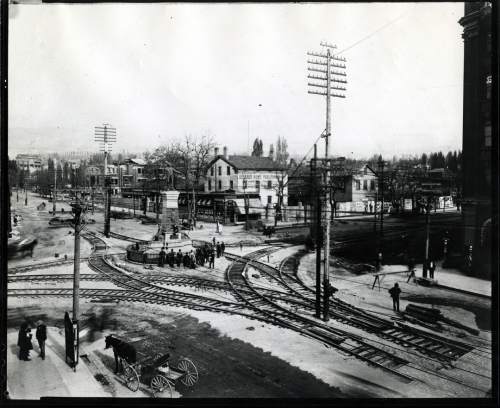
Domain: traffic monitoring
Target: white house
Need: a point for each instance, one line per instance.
(247, 174)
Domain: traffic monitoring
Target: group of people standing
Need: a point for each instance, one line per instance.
(24, 340)
(201, 256)
(186, 259)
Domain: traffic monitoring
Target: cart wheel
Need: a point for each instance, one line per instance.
(161, 387)
(190, 372)
(131, 377)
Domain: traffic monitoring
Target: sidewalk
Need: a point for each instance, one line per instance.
(51, 377)
(453, 278)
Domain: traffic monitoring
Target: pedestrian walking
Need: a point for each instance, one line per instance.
(395, 292)
(213, 241)
(222, 248)
(41, 337)
(432, 268)
(218, 249)
(241, 246)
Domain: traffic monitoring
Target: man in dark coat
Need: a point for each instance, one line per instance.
(161, 258)
(222, 248)
(179, 258)
(218, 249)
(22, 342)
(395, 292)
(171, 259)
(41, 337)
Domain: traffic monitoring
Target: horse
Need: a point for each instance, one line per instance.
(121, 349)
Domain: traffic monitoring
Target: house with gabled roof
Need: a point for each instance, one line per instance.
(247, 174)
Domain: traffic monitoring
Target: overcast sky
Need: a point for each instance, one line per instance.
(237, 71)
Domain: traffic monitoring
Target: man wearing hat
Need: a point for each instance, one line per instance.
(41, 336)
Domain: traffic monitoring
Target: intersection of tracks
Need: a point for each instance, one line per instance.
(283, 301)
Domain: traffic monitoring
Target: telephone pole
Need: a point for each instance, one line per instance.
(317, 231)
(79, 209)
(325, 66)
(105, 135)
(55, 189)
(380, 165)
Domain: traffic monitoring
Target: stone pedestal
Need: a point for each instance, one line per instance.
(170, 211)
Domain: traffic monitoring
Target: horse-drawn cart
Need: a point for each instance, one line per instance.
(157, 373)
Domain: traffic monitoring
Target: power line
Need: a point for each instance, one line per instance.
(375, 32)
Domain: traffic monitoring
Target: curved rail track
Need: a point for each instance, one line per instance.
(438, 347)
(348, 342)
(260, 303)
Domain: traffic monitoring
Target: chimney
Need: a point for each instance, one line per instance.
(225, 152)
(216, 151)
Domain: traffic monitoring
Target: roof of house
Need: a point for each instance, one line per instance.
(249, 162)
(140, 162)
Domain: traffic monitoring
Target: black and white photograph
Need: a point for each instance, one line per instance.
(250, 200)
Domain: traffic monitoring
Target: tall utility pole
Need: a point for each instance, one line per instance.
(78, 209)
(246, 204)
(324, 66)
(318, 232)
(105, 135)
(381, 165)
(55, 189)
(427, 230)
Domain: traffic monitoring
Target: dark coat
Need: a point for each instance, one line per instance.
(395, 292)
(41, 333)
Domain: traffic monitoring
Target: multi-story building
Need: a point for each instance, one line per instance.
(29, 162)
(248, 174)
(478, 138)
(358, 191)
(131, 173)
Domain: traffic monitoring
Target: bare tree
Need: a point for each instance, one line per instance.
(189, 158)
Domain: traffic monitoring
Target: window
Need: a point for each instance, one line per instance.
(212, 171)
(365, 185)
(228, 170)
(220, 184)
(220, 171)
(139, 170)
(372, 184)
(488, 87)
(209, 185)
(269, 184)
(257, 184)
(269, 199)
(244, 184)
(231, 184)
(365, 171)
(358, 184)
